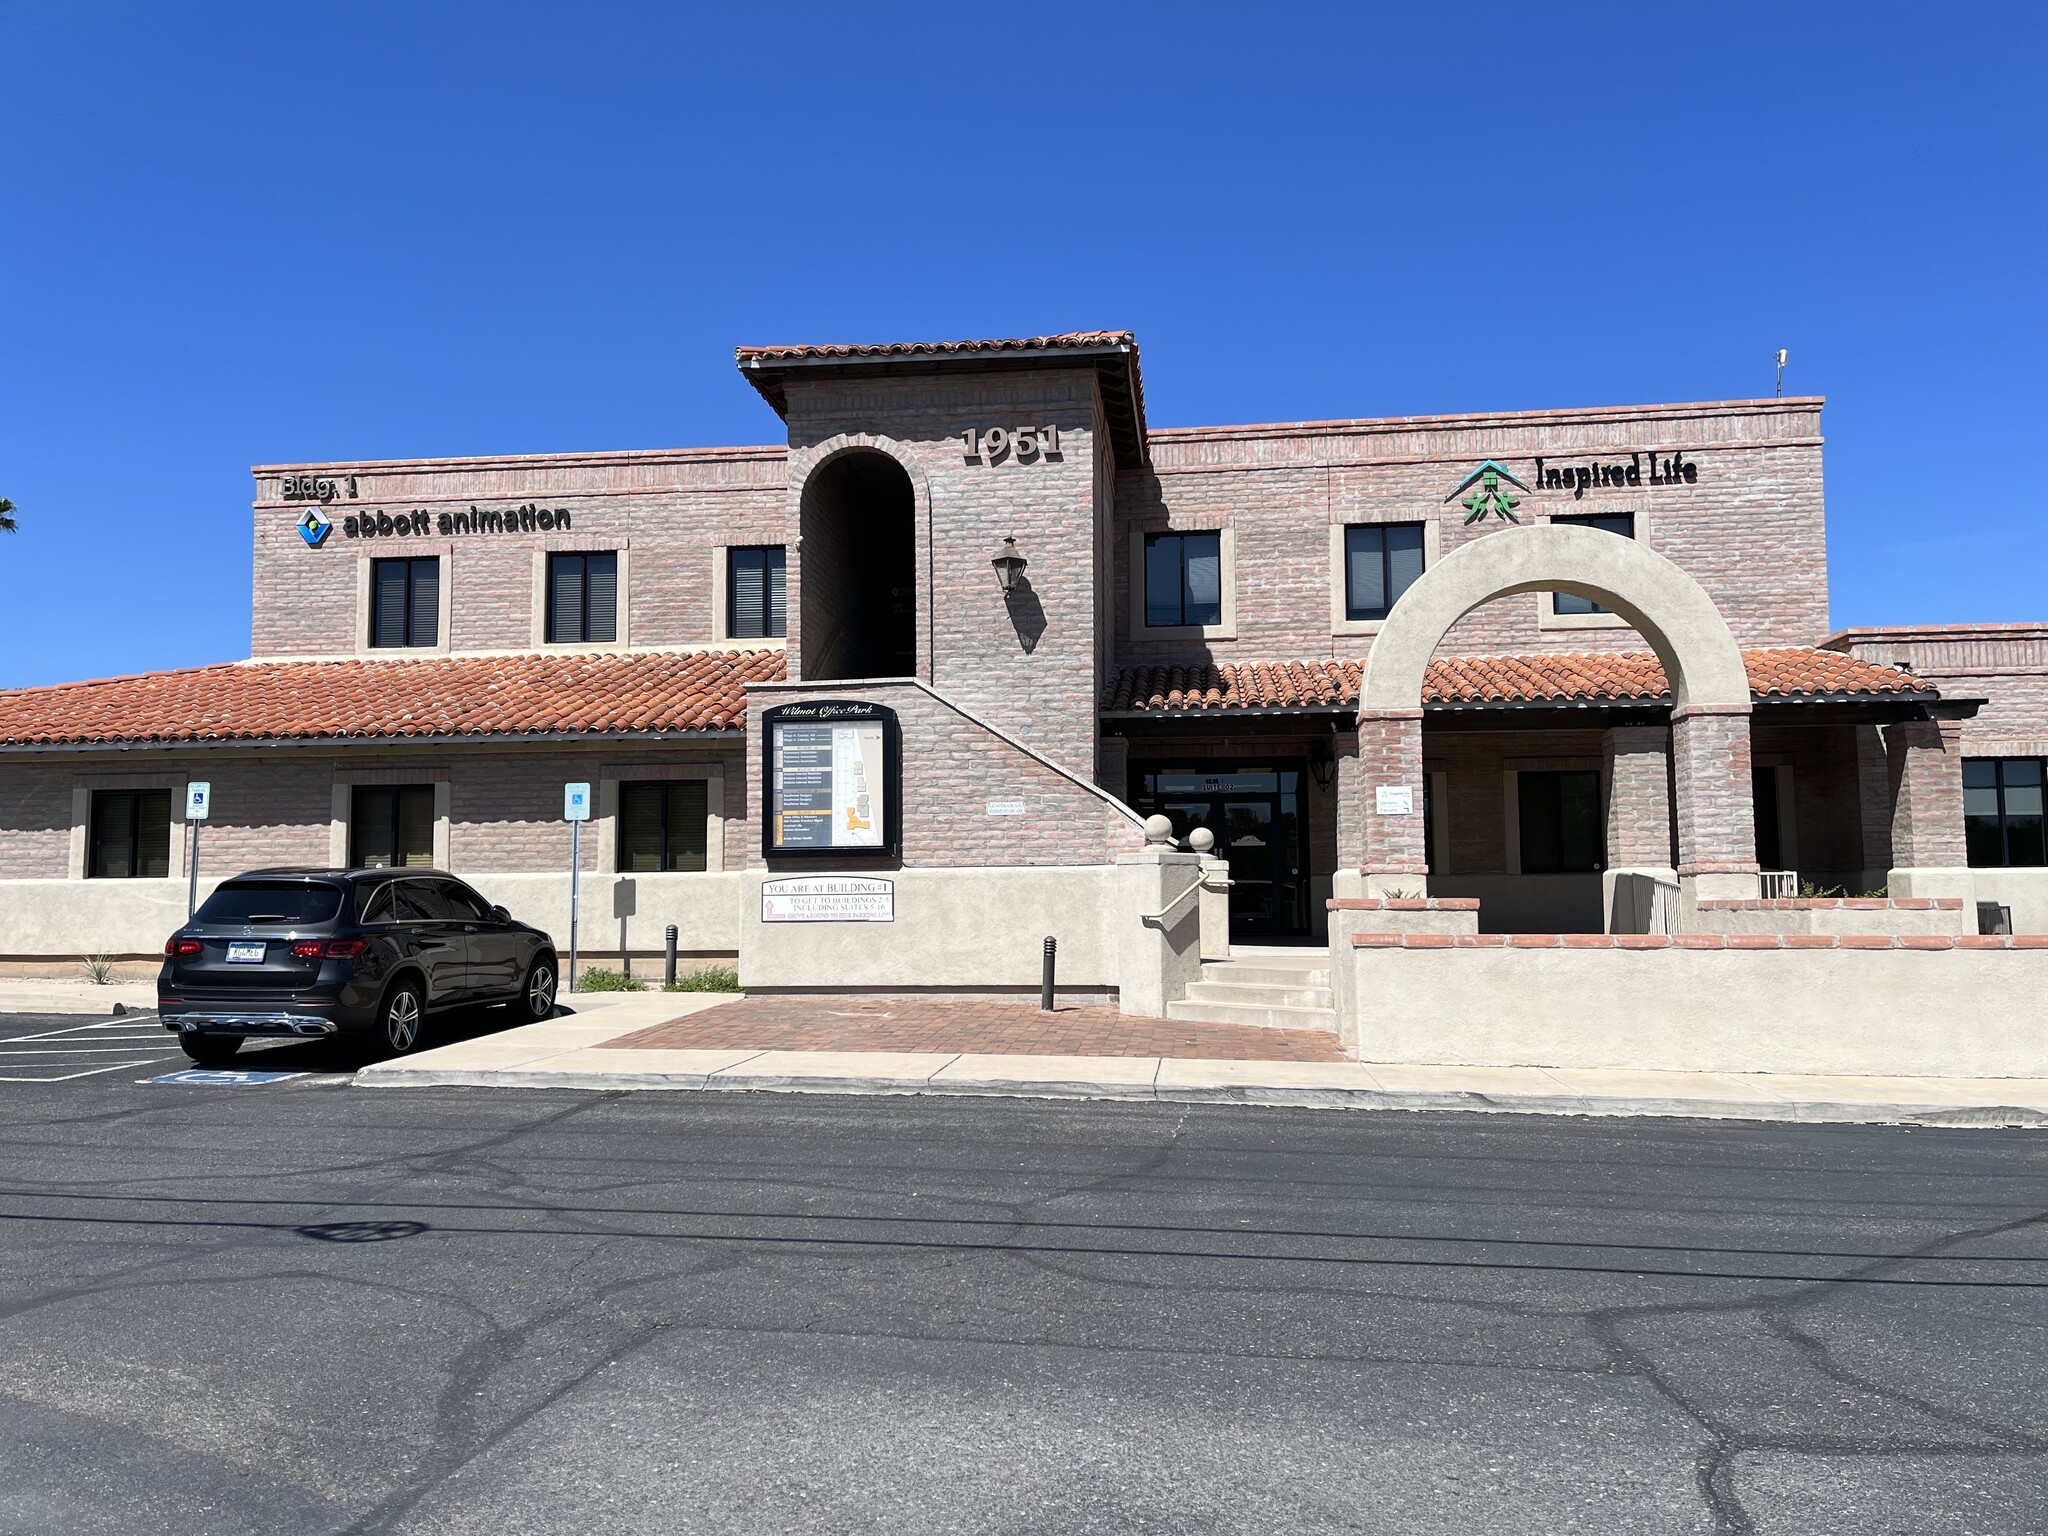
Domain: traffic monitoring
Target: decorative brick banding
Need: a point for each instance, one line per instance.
(1699, 941)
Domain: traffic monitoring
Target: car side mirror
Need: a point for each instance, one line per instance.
(501, 914)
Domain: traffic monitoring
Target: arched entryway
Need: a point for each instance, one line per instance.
(858, 569)
(1710, 695)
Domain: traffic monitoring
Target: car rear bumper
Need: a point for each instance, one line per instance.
(221, 1022)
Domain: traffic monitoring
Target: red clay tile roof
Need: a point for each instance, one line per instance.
(1589, 677)
(746, 355)
(380, 700)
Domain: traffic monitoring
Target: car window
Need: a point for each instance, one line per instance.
(464, 904)
(271, 901)
(416, 901)
(377, 904)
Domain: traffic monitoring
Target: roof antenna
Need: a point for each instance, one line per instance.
(1781, 372)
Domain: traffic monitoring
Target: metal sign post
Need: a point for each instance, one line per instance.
(625, 902)
(198, 800)
(575, 811)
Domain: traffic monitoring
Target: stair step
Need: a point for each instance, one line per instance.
(1263, 1016)
(1215, 990)
(1238, 972)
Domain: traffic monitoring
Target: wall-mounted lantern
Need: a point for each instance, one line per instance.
(1009, 566)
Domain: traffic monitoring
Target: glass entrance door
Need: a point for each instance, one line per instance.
(1255, 812)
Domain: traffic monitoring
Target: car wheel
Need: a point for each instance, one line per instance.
(537, 997)
(400, 1018)
(210, 1050)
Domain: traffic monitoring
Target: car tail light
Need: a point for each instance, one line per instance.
(182, 946)
(333, 949)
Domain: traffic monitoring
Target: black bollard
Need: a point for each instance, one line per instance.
(668, 975)
(1052, 946)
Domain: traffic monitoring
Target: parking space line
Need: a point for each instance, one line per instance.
(89, 1072)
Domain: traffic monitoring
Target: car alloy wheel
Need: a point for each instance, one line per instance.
(540, 991)
(402, 1020)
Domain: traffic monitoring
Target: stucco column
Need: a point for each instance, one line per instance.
(1714, 795)
(1390, 759)
(1638, 860)
(1928, 854)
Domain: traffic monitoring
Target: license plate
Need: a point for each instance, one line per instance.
(245, 954)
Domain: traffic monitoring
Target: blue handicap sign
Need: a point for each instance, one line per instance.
(216, 1077)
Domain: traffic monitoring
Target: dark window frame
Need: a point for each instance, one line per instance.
(559, 560)
(772, 622)
(1353, 612)
(1183, 599)
(413, 620)
(2002, 817)
(1567, 605)
(667, 829)
(358, 822)
(1528, 784)
(140, 850)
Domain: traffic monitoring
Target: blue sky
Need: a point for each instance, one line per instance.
(232, 235)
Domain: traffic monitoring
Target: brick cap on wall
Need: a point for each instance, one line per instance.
(1840, 904)
(1698, 941)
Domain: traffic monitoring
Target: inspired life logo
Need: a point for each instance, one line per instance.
(1489, 500)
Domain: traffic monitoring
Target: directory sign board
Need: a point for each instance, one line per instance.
(832, 772)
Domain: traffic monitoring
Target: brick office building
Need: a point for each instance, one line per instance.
(439, 645)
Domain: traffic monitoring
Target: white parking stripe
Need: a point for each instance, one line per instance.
(90, 1072)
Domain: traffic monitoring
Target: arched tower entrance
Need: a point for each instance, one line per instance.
(858, 569)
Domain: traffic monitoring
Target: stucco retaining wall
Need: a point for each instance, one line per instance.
(2025, 891)
(1919, 1007)
(1837, 915)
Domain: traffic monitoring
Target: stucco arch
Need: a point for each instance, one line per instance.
(1671, 611)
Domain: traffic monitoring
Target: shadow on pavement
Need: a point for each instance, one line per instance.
(342, 1056)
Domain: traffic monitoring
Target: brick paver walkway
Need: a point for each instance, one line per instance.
(991, 1028)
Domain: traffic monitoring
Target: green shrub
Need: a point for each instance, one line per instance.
(710, 978)
(597, 978)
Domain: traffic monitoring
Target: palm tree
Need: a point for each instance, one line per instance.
(6, 515)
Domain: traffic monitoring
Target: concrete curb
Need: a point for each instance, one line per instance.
(1285, 1096)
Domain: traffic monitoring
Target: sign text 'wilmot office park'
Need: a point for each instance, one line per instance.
(832, 774)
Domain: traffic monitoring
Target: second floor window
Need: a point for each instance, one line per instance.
(1183, 580)
(756, 579)
(1623, 523)
(405, 602)
(2002, 811)
(130, 836)
(1381, 561)
(583, 599)
(663, 825)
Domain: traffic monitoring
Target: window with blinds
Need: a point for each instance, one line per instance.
(756, 579)
(1381, 561)
(1622, 523)
(405, 602)
(391, 826)
(130, 835)
(664, 825)
(583, 599)
(1183, 579)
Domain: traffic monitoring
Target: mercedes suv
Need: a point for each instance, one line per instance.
(361, 952)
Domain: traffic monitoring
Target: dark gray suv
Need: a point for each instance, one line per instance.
(365, 952)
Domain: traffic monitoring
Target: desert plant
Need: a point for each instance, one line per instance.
(710, 978)
(99, 970)
(598, 978)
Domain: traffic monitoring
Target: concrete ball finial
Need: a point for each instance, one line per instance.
(1201, 839)
(1158, 830)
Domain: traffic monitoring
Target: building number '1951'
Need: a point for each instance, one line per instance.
(1026, 444)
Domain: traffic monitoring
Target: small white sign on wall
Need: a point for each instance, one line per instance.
(1394, 799)
(828, 899)
(1006, 808)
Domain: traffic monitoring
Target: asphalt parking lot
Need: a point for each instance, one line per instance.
(298, 1305)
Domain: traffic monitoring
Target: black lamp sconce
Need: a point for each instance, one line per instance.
(1009, 566)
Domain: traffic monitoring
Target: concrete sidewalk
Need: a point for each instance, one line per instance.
(24, 994)
(567, 1053)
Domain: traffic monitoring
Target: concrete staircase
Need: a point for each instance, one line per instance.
(1272, 986)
